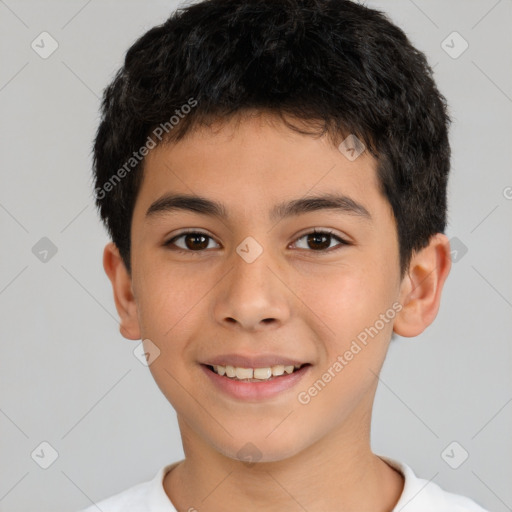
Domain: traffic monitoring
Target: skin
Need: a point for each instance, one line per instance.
(294, 300)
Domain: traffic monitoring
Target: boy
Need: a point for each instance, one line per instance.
(263, 130)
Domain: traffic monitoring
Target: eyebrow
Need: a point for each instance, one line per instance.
(197, 204)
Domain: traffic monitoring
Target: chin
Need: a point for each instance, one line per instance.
(257, 448)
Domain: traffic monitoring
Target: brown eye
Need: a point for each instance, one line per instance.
(321, 240)
(193, 241)
(196, 241)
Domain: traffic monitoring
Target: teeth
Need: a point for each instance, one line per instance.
(254, 373)
(278, 370)
(262, 373)
(244, 373)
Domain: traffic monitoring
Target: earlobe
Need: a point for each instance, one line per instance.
(123, 292)
(420, 292)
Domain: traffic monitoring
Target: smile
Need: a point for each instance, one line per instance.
(254, 374)
(254, 384)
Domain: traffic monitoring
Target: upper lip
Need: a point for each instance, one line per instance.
(259, 361)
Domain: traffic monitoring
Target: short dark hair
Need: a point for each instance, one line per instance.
(338, 66)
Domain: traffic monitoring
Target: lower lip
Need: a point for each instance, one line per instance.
(255, 390)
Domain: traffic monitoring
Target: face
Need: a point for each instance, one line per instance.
(257, 282)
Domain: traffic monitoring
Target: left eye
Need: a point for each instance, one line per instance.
(319, 238)
(195, 241)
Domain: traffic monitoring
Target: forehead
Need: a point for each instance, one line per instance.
(253, 164)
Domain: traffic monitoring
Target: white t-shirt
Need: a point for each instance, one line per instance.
(418, 495)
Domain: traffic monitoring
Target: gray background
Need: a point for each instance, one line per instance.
(69, 378)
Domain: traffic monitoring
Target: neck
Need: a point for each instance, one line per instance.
(338, 472)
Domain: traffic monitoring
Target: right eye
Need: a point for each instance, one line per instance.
(194, 241)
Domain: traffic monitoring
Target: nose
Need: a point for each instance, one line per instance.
(253, 296)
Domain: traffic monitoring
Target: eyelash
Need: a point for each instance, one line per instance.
(343, 242)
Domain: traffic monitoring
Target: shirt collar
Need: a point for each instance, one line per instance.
(157, 498)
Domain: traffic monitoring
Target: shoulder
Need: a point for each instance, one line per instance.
(420, 495)
(146, 496)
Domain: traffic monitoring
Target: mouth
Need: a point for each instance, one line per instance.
(254, 384)
(264, 374)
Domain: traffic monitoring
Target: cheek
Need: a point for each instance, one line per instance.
(166, 306)
(358, 310)
(355, 304)
(349, 299)
(166, 294)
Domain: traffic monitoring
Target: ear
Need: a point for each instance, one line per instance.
(421, 287)
(123, 292)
